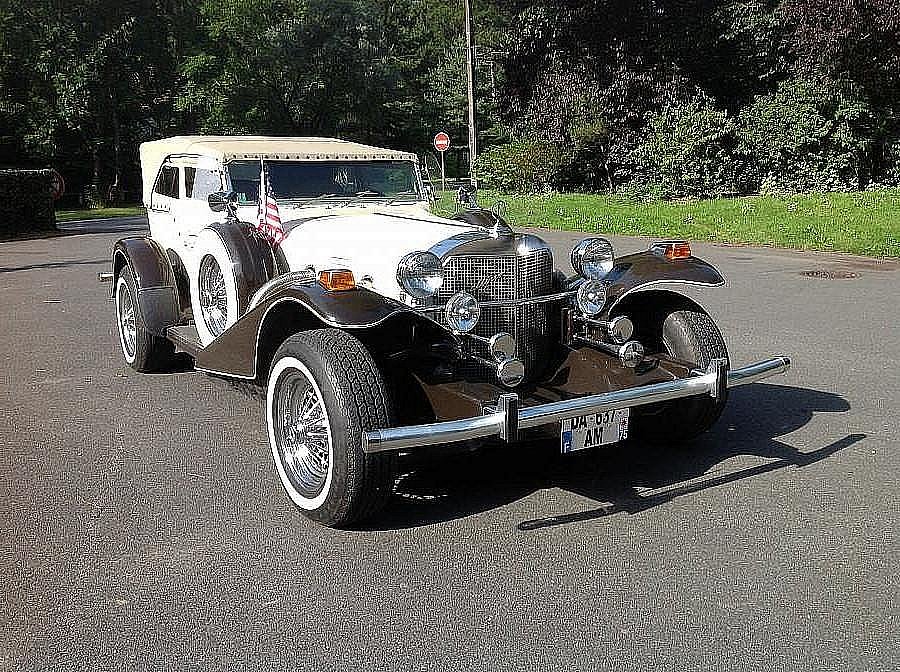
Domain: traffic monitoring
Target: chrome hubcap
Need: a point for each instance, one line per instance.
(302, 433)
(213, 297)
(127, 323)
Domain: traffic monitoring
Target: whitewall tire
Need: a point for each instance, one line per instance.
(324, 392)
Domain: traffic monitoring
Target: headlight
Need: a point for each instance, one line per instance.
(593, 258)
(420, 274)
(462, 312)
(591, 297)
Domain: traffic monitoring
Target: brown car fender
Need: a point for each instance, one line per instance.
(647, 271)
(157, 290)
(245, 348)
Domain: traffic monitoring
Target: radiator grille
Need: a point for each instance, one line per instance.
(500, 278)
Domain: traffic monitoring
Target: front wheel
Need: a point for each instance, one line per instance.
(324, 392)
(689, 335)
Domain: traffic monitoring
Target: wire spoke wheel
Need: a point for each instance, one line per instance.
(127, 321)
(213, 296)
(302, 431)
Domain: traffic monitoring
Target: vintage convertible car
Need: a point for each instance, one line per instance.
(379, 328)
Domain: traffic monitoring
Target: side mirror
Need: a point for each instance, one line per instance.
(221, 201)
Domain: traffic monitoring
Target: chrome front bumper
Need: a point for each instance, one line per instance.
(507, 418)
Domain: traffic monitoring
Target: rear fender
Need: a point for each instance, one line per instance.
(157, 289)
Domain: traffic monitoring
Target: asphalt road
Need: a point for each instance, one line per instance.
(142, 526)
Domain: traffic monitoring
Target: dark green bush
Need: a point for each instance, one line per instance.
(25, 202)
(521, 167)
(685, 150)
(805, 136)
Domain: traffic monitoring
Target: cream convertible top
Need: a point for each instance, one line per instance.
(223, 148)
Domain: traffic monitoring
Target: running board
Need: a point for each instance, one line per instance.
(186, 339)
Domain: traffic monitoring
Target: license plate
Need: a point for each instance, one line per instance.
(595, 429)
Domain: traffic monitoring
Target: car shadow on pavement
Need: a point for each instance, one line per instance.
(626, 478)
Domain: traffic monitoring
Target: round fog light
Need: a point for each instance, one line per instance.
(462, 312)
(631, 354)
(511, 372)
(591, 297)
(621, 329)
(503, 346)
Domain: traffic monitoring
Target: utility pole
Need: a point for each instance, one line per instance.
(470, 76)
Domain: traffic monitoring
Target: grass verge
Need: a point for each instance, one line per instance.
(99, 213)
(866, 223)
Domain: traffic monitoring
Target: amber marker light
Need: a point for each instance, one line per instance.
(672, 249)
(337, 280)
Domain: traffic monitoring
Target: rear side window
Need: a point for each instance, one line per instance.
(167, 182)
(200, 183)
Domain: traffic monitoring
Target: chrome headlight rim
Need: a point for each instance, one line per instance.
(593, 258)
(462, 312)
(420, 274)
(591, 297)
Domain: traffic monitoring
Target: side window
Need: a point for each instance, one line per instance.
(200, 183)
(167, 182)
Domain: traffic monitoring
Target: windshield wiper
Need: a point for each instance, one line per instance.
(409, 192)
(314, 199)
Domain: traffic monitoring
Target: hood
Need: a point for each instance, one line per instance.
(369, 242)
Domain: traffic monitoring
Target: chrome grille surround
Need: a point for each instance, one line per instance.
(518, 272)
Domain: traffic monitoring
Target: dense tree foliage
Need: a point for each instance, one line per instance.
(684, 98)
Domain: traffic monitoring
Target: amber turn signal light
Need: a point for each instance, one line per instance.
(672, 249)
(337, 280)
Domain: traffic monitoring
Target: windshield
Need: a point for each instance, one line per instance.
(301, 180)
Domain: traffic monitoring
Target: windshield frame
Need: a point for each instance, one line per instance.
(359, 198)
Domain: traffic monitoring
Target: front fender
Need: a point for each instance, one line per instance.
(290, 309)
(643, 270)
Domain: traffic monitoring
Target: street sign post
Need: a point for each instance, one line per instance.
(442, 144)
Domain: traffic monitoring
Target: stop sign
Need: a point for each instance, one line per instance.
(442, 142)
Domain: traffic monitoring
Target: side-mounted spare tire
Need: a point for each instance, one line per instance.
(324, 392)
(689, 334)
(235, 261)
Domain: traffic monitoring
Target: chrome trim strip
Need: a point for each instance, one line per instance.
(496, 423)
(654, 283)
(282, 281)
(511, 303)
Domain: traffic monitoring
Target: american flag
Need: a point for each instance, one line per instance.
(269, 219)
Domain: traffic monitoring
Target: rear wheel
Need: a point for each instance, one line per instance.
(324, 392)
(143, 351)
(690, 335)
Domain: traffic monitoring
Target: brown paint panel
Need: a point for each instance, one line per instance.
(234, 352)
(583, 372)
(644, 268)
(148, 261)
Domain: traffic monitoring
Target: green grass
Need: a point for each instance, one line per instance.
(861, 222)
(98, 213)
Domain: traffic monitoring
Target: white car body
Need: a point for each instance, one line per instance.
(368, 238)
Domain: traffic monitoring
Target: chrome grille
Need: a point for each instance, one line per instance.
(506, 277)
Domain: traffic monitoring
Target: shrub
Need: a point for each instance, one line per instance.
(523, 167)
(686, 150)
(803, 137)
